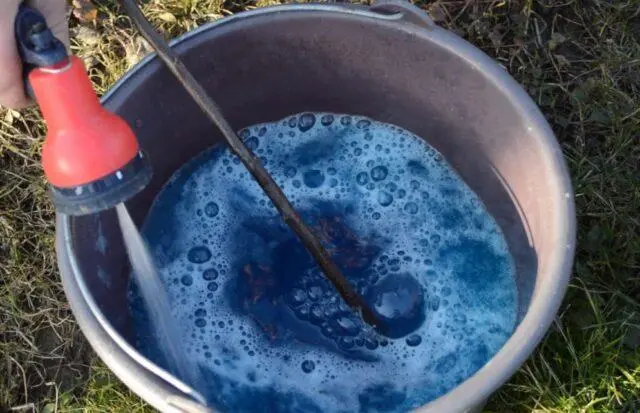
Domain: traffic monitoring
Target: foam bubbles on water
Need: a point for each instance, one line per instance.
(199, 255)
(314, 178)
(414, 340)
(398, 300)
(210, 274)
(379, 173)
(414, 240)
(409, 207)
(385, 198)
(211, 209)
(362, 178)
(308, 366)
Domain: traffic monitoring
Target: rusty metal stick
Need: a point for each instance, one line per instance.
(252, 163)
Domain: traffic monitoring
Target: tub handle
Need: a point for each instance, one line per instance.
(410, 13)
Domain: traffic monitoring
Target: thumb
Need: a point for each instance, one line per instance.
(11, 83)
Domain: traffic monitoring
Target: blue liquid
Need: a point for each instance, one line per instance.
(269, 333)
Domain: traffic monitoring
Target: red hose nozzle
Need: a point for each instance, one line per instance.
(91, 156)
(85, 143)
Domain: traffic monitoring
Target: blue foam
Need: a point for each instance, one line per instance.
(269, 332)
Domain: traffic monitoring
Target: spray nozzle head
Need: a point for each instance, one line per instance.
(91, 157)
(106, 192)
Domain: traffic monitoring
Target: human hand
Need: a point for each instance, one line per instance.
(11, 85)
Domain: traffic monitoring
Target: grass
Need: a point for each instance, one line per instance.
(578, 59)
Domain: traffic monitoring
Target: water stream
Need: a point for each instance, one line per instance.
(156, 301)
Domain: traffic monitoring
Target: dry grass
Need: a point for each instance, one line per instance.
(580, 61)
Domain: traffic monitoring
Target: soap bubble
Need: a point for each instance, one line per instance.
(211, 209)
(384, 198)
(345, 324)
(362, 178)
(290, 172)
(210, 274)
(302, 312)
(399, 304)
(379, 173)
(411, 208)
(316, 314)
(314, 291)
(326, 120)
(306, 122)
(313, 178)
(414, 340)
(346, 343)
(363, 123)
(199, 255)
(371, 343)
(251, 143)
(308, 366)
(297, 296)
